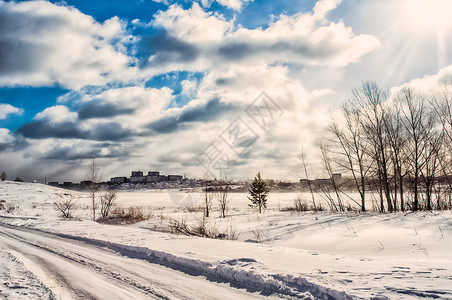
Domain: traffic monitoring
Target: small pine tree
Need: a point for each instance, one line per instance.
(3, 176)
(258, 193)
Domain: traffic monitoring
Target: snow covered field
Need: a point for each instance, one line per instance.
(278, 254)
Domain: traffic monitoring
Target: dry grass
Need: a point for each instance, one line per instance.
(202, 228)
(131, 215)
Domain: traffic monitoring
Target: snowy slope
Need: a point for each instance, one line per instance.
(342, 256)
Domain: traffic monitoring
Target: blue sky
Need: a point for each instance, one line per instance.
(144, 84)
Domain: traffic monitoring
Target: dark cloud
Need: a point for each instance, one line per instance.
(18, 143)
(280, 51)
(69, 153)
(99, 109)
(201, 113)
(73, 153)
(165, 125)
(206, 112)
(4, 146)
(13, 21)
(17, 55)
(236, 51)
(109, 132)
(43, 129)
(166, 48)
(100, 132)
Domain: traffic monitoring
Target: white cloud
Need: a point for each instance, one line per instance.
(7, 109)
(323, 7)
(234, 4)
(56, 114)
(46, 44)
(207, 41)
(144, 104)
(189, 87)
(430, 83)
(318, 93)
(193, 25)
(5, 136)
(277, 148)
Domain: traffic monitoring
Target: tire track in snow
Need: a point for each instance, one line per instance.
(104, 262)
(253, 282)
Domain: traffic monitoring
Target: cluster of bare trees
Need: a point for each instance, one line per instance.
(218, 192)
(395, 146)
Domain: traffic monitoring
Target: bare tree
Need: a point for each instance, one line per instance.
(222, 195)
(64, 203)
(353, 149)
(328, 167)
(94, 177)
(304, 166)
(418, 123)
(369, 100)
(397, 140)
(208, 198)
(107, 200)
(442, 105)
(391, 143)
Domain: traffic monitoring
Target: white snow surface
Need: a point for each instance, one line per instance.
(278, 254)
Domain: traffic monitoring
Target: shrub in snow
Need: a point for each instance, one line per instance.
(64, 203)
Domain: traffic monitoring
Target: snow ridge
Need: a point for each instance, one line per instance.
(224, 272)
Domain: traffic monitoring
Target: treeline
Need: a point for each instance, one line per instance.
(395, 148)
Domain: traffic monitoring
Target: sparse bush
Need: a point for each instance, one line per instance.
(202, 228)
(222, 196)
(2, 205)
(208, 197)
(193, 207)
(3, 176)
(107, 200)
(272, 222)
(10, 209)
(233, 234)
(64, 203)
(300, 205)
(260, 236)
(130, 216)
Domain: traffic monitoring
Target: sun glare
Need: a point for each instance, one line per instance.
(429, 14)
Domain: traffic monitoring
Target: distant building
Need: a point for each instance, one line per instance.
(153, 176)
(175, 178)
(137, 177)
(86, 183)
(118, 180)
(323, 182)
(163, 178)
(337, 178)
(54, 183)
(304, 183)
(137, 174)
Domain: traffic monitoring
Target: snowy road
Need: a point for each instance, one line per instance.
(75, 270)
